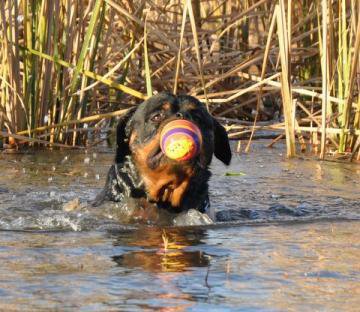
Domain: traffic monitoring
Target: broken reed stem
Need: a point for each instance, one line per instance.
(92, 75)
(246, 90)
(73, 122)
(114, 69)
(297, 90)
(34, 140)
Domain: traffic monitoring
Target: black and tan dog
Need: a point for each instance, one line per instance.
(141, 170)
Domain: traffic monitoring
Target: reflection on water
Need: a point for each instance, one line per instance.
(277, 254)
(163, 250)
(298, 267)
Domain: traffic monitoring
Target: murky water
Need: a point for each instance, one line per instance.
(287, 239)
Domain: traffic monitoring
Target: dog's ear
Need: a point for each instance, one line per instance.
(122, 141)
(222, 149)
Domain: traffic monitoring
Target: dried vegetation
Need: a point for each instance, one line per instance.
(290, 67)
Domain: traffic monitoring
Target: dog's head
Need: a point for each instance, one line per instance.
(138, 135)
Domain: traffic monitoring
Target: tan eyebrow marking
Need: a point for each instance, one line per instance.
(166, 106)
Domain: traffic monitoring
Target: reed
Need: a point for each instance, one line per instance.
(62, 61)
(49, 54)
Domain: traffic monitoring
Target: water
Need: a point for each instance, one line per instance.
(287, 239)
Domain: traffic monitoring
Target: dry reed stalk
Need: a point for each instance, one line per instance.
(246, 90)
(23, 139)
(78, 121)
(353, 74)
(285, 76)
(45, 42)
(242, 104)
(295, 89)
(92, 75)
(197, 48)
(114, 69)
(263, 71)
(329, 130)
(146, 63)
(324, 61)
(178, 61)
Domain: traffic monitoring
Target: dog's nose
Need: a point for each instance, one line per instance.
(179, 115)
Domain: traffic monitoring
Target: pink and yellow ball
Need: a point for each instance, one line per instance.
(180, 140)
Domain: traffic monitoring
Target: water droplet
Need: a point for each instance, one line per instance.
(66, 158)
(53, 168)
(275, 196)
(97, 177)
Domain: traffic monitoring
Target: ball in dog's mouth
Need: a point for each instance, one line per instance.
(180, 140)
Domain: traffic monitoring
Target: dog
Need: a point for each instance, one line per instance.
(142, 171)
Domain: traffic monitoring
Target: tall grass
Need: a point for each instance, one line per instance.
(50, 52)
(63, 60)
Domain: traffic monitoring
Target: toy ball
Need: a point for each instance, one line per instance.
(180, 140)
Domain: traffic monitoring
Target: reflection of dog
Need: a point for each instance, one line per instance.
(146, 250)
(141, 170)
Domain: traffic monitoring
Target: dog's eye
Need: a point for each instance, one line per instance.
(158, 117)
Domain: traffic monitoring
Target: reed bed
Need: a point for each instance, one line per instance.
(288, 66)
